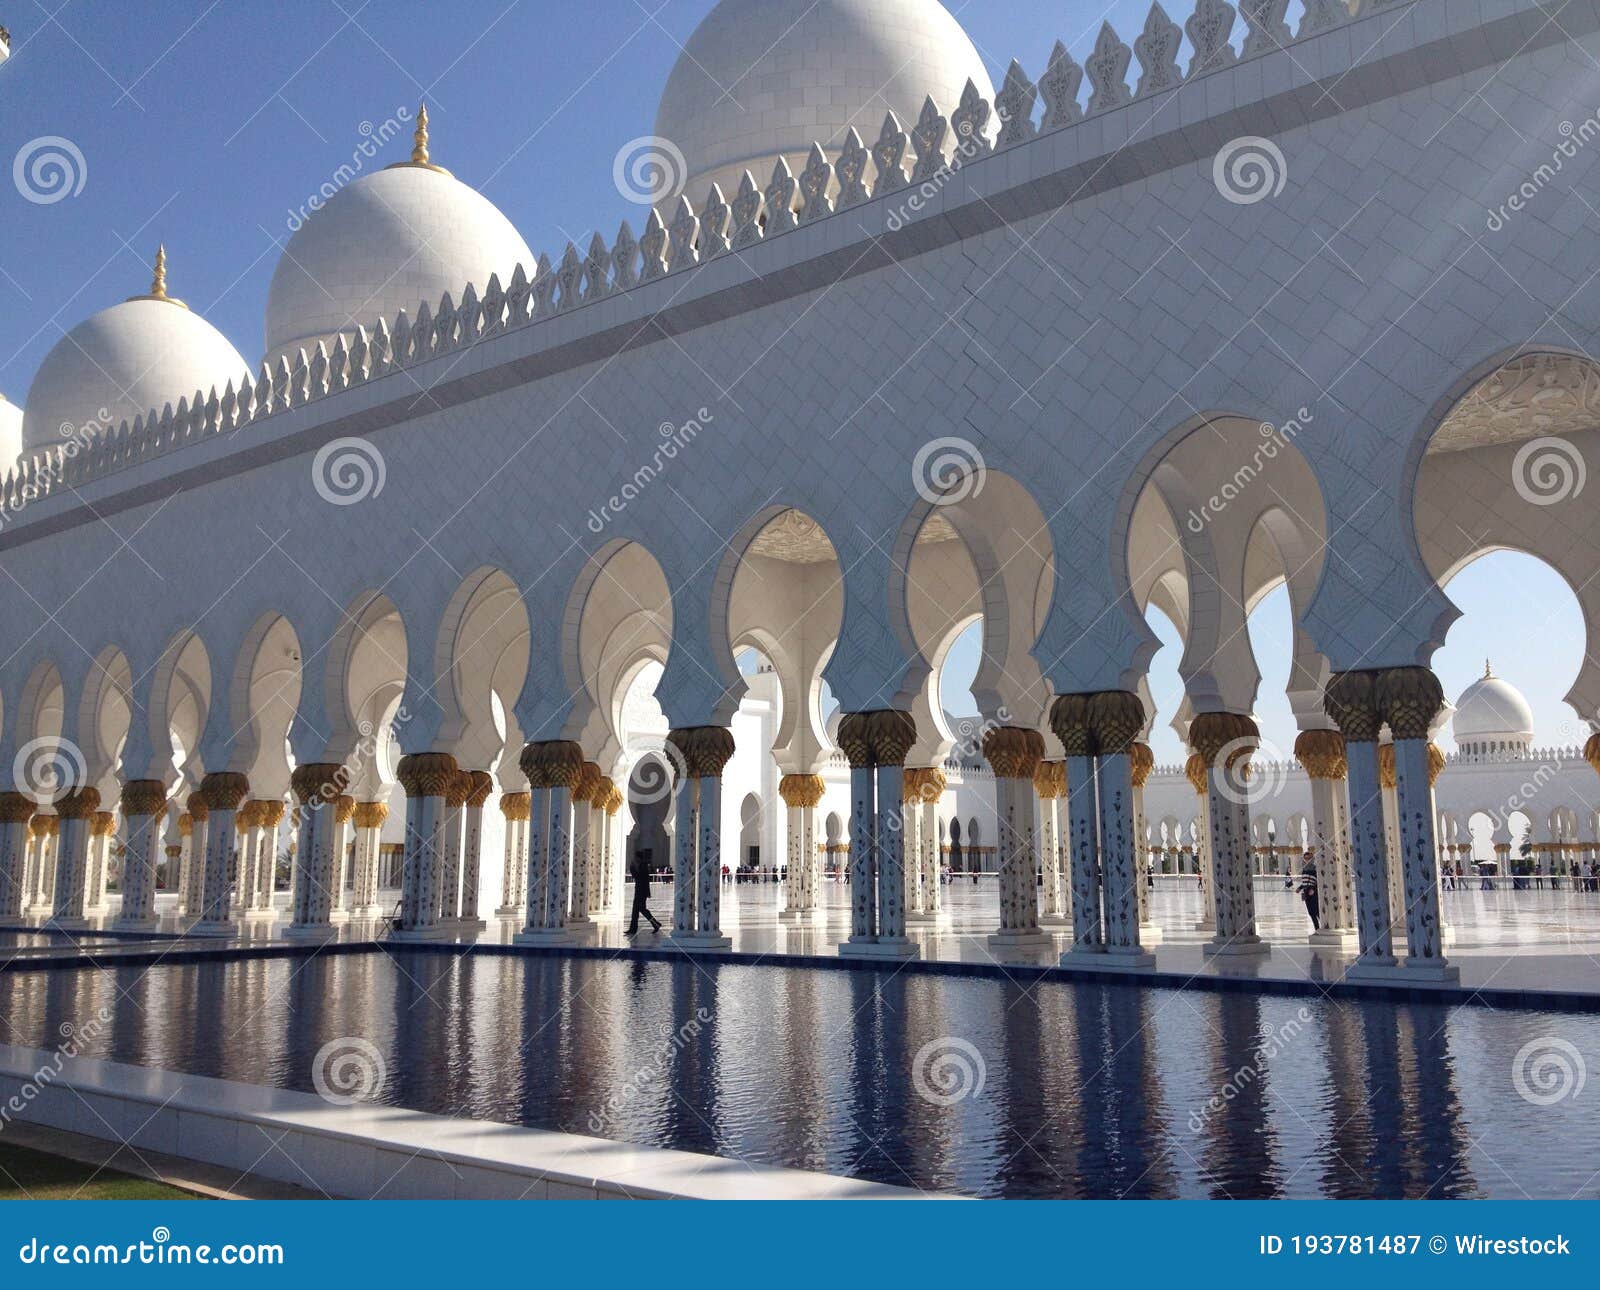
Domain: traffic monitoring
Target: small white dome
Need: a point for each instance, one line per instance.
(760, 79)
(1492, 710)
(124, 362)
(10, 435)
(389, 241)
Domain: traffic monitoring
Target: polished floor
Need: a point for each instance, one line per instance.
(1501, 940)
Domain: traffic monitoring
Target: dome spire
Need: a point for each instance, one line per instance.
(158, 281)
(1488, 672)
(419, 145)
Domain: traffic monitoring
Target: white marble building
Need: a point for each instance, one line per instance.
(1116, 335)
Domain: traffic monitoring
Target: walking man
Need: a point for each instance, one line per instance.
(639, 871)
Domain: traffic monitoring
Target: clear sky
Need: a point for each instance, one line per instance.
(205, 124)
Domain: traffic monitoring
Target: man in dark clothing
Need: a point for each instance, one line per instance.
(639, 871)
(1310, 894)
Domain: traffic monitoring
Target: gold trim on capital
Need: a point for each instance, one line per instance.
(1322, 754)
(1436, 762)
(1142, 761)
(479, 785)
(17, 808)
(918, 784)
(1388, 776)
(1013, 752)
(370, 815)
(1591, 752)
(516, 806)
(798, 791)
(1195, 770)
(705, 749)
(426, 774)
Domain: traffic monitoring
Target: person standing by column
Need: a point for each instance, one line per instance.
(639, 871)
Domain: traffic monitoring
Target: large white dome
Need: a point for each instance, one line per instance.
(389, 241)
(10, 435)
(1492, 710)
(124, 362)
(760, 79)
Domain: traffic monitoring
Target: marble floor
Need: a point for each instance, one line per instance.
(1501, 940)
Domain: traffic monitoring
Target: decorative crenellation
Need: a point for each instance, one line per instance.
(941, 144)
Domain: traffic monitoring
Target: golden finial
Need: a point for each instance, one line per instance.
(158, 282)
(1488, 672)
(419, 151)
(419, 148)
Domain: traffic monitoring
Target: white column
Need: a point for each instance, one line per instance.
(1424, 922)
(685, 856)
(1369, 854)
(340, 862)
(143, 808)
(863, 845)
(75, 810)
(890, 787)
(582, 844)
(16, 811)
(1226, 741)
(1088, 931)
(932, 870)
(451, 830)
(514, 882)
(101, 827)
(1118, 858)
(479, 787)
(224, 793)
(426, 778)
(1014, 754)
(368, 818)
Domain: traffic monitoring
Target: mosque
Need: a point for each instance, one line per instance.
(499, 566)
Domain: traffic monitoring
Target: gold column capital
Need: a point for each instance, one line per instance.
(1322, 753)
(479, 785)
(17, 808)
(78, 803)
(516, 806)
(370, 815)
(223, 790)
(705, 749)
(426, 774)
(1143, 760)
(1409, 698)
(144, 797)
(1013, 752)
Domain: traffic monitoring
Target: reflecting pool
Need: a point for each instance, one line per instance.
(973, 1085)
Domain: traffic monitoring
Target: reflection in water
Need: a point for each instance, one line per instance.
(1064, 1090)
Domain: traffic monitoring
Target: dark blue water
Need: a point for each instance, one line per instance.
(1097, 1091)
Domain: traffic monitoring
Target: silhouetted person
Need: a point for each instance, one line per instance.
(1310, 894)
(639, 870)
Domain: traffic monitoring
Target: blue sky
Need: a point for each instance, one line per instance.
(203, 125)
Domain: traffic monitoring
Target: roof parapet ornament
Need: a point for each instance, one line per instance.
(419, 146)
(158, 282)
